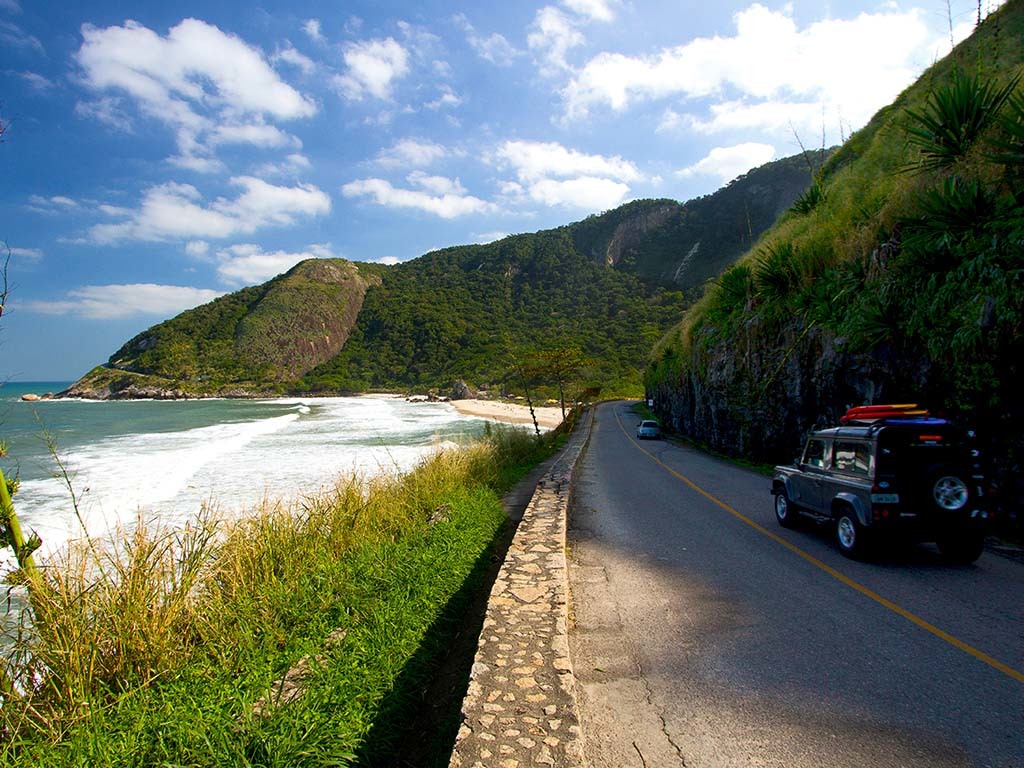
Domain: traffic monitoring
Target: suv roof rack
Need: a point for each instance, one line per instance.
(874, 425)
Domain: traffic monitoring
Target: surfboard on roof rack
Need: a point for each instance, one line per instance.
(868, 414)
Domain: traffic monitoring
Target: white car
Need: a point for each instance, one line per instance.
(648, 428)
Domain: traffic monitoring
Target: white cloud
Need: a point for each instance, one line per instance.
(31, 254)
(551, 37)
(533, 160)
(14, 36)
(108, 302)
(196, 80)
(176, 211)
(596, 10)
(495, 48)
(197, 249)
(290, 55)
(423, 44)
(312, 28)
(861, 63)
(255, 134)
(448, 200)
(372, 68)
(729, 162)
(290, 166)
(249, 264)
(489, 237)
(585, 193)
(411, 153)
(447, 98)
(779, 117)
(54, 204)
(439, 185)
(197, 163)
(108, 110)
(389, 260)
(37, 81)
(114, 210)
(553, 175)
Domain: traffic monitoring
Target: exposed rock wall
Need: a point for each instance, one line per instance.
(758, 399)
(304, 320)
(631, 232)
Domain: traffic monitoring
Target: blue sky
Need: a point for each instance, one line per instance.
(157, 155)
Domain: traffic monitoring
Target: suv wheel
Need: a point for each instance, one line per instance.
(949, 492)
(850, 534)
(961, 546)
(785, 511)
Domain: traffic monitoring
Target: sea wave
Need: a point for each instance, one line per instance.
(254, 450)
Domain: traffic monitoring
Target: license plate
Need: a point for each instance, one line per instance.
(885, 498)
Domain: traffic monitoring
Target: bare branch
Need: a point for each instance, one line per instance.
(803, 150)
(3, 279)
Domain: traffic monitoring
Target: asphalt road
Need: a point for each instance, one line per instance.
(705, 635)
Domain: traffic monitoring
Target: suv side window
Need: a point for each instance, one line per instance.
(814, 453)
(849, 456)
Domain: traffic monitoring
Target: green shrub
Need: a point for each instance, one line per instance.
(953, 118)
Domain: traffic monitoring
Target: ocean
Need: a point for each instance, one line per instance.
(165, 459)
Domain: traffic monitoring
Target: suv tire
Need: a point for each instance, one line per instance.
(850, 534)
(947, 489)
(786, 513)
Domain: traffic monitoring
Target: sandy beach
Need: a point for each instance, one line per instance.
(511, 413)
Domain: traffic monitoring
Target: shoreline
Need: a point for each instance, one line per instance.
(548, 417)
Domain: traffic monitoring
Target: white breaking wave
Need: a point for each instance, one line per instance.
(233, 464)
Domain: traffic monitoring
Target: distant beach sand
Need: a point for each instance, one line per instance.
(510, 413)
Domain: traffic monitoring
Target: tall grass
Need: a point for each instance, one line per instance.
(169, 647)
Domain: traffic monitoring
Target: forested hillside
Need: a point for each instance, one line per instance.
(471, 312)
(897, 277)
(685, 246)
(600, 291)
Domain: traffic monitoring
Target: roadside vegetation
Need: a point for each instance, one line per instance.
(301, 634)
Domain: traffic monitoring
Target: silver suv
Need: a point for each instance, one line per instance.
(917, 477)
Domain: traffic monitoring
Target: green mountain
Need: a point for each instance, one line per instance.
(606, 288)
(897, 277)
(685, 246)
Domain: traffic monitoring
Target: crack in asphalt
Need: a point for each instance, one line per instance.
(661, 717)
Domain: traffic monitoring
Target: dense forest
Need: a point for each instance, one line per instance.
(471, 312)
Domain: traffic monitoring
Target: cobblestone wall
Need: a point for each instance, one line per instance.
(520, 708)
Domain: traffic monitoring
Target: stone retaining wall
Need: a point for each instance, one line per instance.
(520, 708)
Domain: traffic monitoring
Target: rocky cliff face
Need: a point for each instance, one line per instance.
(629, 234)
(247, 341)
(105, 383)
(303, 320)
(748, 398)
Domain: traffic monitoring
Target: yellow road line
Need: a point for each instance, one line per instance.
(913, 618)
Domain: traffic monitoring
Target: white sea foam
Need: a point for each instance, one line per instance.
(292, 448)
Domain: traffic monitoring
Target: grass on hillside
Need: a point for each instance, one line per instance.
(169, 647)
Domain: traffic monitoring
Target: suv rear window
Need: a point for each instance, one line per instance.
(848, 456)
(902, 449)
